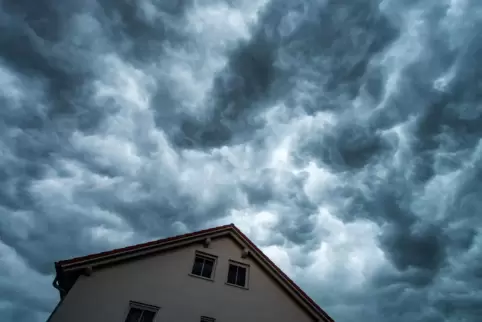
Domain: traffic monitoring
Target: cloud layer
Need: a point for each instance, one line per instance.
(344, 139)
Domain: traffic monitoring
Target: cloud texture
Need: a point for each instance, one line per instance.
(343, 137)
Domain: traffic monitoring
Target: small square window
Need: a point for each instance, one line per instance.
(203, 266)
(139, 312)
(237, 275)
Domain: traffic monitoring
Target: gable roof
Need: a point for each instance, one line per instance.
(69, 270)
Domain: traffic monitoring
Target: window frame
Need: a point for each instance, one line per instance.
(246, 277)
(143, 307)
(203, 255)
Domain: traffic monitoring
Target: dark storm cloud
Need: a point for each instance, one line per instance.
(238, 91)
(298, 213)
(139, 30)
(338, 41)
(444, 138)
(50, 76)
(155, 212)
(51, 73)
(34, 44)
(98, 150)
(263, 69)
(349, 146)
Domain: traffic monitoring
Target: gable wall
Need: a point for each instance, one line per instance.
(163, 280)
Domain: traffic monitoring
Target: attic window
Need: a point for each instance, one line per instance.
(238, 274)
(203, 266)
(139, 312)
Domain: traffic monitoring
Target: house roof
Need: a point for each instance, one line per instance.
(69, 270)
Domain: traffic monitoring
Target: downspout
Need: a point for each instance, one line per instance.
(56, 284)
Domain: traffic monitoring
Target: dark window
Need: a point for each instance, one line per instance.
(203, 266)
(207, 319)
(139, 313)
(232, 274)
(148, 316)
(237, 275)
(198, 266)
(134, 315)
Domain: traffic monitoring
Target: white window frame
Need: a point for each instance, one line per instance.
(246, 278)
(204, 256)
(143, 307)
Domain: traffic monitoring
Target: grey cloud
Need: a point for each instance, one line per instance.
(264, 68)
(27, 50)
(444, 139)
(259, 190)
(401, 245)
(347, 147)
(338, 41)
(298, 211)
(238, 92)
(406, 157)
(139, 30)
(20, 313)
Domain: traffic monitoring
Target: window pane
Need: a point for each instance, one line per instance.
(134, 315)
(198, 265)
(232, 274)
(208, 268)
(148, 316)
(241, 280)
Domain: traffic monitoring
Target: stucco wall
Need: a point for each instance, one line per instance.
(164, 281)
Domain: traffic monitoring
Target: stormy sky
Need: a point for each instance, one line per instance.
(343, 137)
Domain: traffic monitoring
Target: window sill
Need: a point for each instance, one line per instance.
(234, 285)
(201, 277)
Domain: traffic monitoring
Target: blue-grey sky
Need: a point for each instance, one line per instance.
(343, 137)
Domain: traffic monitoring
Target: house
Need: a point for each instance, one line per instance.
(213, 275)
